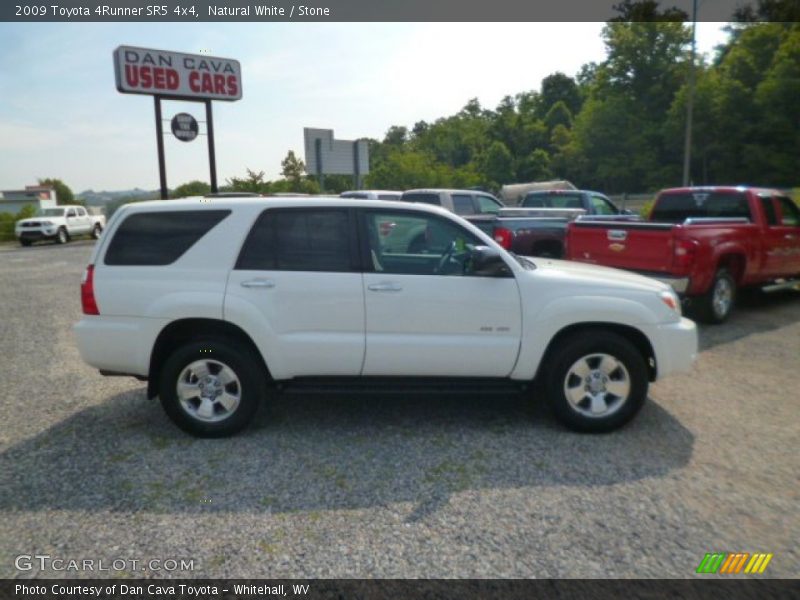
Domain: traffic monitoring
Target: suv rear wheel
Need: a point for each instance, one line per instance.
(211, 388)
(596, 382)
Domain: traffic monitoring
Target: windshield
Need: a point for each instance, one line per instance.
(51, 212)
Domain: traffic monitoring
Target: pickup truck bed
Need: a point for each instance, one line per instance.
(705, 258)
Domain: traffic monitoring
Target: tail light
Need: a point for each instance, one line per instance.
(503, 237)
(88, 301)
(684, 254)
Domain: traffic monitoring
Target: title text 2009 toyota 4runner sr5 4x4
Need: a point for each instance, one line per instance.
(218, 302)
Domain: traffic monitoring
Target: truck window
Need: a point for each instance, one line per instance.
(769, 209)
(488, 205)
(790, 214)
(71, 212)
(602, 205)
(676, 207)
(389, 196)
(553, 200)
(462, 204)
(298, 240)
(159, 238)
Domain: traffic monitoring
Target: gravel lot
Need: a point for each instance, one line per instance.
(393, 486)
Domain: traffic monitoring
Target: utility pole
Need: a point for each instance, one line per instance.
(687, 148)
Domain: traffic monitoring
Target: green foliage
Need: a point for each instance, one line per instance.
(63, 192)
(8, 220)
(192, 188)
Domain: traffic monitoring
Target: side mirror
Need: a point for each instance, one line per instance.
(487, 262)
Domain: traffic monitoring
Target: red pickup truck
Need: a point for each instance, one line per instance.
(706, 242)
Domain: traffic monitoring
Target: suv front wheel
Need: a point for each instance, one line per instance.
(210, 388)
(596, 381)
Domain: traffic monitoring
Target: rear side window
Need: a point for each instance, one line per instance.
(299, 240)
(424, 198)
(159, 238)
(676, 207)
(769, 210)
(488, 205)
(462, 204)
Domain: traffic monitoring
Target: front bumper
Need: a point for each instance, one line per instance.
(675, 346)
(36, 234)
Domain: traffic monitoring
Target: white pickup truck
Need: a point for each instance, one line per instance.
(220, 302)
(61, 224)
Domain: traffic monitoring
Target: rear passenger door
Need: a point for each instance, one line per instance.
(299, 270)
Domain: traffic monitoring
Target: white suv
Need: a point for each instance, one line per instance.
(217, 302)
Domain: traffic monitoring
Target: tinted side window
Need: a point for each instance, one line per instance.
(462, 204)
(388, 196)
(488, 205)
(790, 214)
(71, 212)
(159, 238)
(299, 240)
(769, 209)
(603, 206)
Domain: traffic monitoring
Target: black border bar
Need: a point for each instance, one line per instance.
(342, 10)
(710, 587)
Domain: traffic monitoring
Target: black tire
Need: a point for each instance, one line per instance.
(715, 306)
(96, 231)
(250, 386)
(587, 347)
(62, 237)
(25, 243)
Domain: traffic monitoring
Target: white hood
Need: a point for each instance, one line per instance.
(582, 274)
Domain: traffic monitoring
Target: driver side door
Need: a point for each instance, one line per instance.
(426, 314)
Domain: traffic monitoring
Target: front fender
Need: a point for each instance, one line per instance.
(560, 313)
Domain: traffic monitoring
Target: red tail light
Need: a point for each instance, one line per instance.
(503, 237)
(88, 302)
(684, 254)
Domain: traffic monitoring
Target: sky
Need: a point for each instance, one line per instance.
(61, 115)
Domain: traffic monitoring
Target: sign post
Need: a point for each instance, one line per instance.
(177, 76)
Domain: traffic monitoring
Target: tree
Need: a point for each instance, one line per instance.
(192, 188)
(254, 182)
(63, 192)
(559, 88)
(497, 164)
(292, 168)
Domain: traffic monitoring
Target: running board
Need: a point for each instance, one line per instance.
(400, 385)
(782, 284)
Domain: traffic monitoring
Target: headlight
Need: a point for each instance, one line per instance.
(670, 298)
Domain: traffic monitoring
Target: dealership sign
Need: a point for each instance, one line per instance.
(176, 75)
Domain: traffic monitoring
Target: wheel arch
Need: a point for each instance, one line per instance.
(182, 331)
(633, 335)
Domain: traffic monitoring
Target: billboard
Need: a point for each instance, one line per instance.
(334, 157)
(176, 75)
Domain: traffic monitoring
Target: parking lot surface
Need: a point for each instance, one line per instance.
(393, 485)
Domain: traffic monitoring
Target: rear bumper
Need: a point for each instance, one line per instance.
(675, 346)
(118, 344)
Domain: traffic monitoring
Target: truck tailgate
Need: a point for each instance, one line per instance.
(643, 247)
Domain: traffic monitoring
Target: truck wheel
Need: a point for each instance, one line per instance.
(596, 382)
(96, 231)
(211, 388)
(25, 243)
(715, 306)
(62, 237)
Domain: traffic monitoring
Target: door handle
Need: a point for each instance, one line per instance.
(258, 283)
(385, 286)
